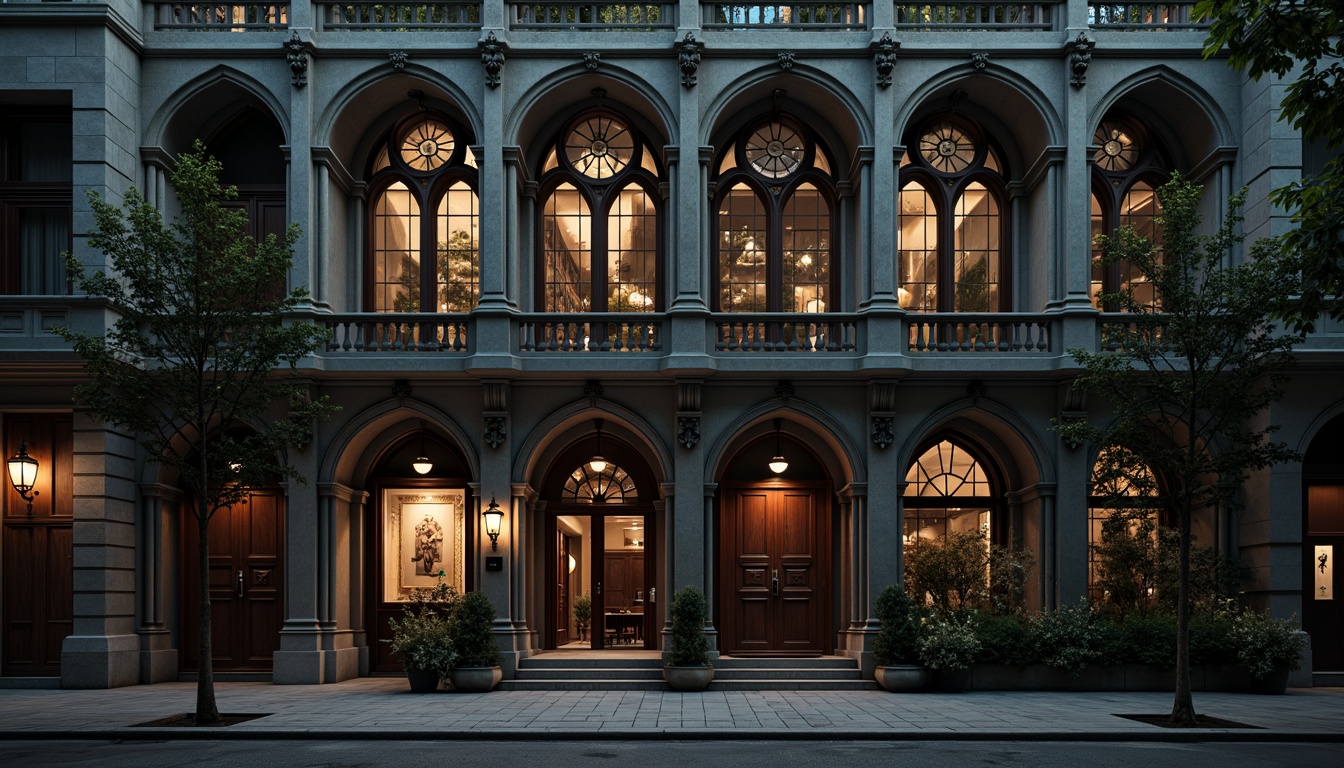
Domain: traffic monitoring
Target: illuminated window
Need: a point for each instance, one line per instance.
(1127, 169)
(948, 491)
(610, 486)
(1123, 508)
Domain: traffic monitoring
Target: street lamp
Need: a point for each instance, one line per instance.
(23, 475)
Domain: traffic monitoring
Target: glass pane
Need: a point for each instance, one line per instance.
(742, 251)
(946, 469)
(567, 251)
(632, 245)
(427, 145)
(947, 149)
(44, 234)
(459, 263)
(926, 524)
(919, 250)
(1098, 271)
(976, 251)
(396, 251)
(600, 147)
(1140, 208)
(45, 152)
(807, 254)
(1116, 148)
(574, 569)
(729, 160)
(775, 150)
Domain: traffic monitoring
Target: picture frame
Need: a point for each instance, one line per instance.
(423, 533)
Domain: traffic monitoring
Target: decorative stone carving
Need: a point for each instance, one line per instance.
(688, 430)
(1079, 51)
(884, 58)
(592, 389)
(980, 60)
(883, 431)
(976, 389)
(592, 60)
(494, 431)
(297, 51)
(492, 58)
(401, 389)
(688, 58)
(784, 390)
(398, 60)
(785, 59)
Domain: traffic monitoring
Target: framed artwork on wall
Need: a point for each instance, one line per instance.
(423, 533)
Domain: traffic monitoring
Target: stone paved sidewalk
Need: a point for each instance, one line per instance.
(383, 708)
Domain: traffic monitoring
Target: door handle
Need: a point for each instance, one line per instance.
(238, 584)
(774, 582)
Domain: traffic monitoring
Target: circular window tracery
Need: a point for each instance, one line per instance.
(1117, 148)
(427, 145)
(947, 149)
(775, 150)
(600, 146)
(612, 485)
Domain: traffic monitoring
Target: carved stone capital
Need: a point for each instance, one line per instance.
(495, 431)
(883, 431)
(688, 431)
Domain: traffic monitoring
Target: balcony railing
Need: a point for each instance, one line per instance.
(398, 333)
(617, 17)
(786, 333)
(976, 14)
(814, 16)
(222, 17)
(612, 332)
(1143, 16)
(966, 333)
(402, 15)
(1118, 330)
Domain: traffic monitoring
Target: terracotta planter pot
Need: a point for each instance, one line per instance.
(423, 680)
(693, 678)
(952, 680)
(475, 679)
(899, 678)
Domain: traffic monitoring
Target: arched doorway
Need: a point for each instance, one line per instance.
(418, 527)
(774, 550)
(1322, 545)
(600, 564)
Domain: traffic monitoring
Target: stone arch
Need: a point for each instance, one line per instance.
(541, 446)
(1001, 433)
(843, 461)
(354, 450)
(204, 103)
(1151, 93)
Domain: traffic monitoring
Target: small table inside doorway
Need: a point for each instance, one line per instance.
(627, 627)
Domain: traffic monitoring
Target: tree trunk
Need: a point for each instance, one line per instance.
(1183, 707)
(207, 711)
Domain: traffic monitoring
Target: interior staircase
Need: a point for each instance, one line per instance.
(643, 671)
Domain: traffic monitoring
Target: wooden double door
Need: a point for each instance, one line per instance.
(246, 585)
(775, 571)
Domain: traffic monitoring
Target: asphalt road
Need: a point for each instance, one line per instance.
(661, 754)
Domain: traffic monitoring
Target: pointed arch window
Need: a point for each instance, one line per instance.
(600, 230)
(775, 222)
(1127, 169)
(612, 485)
(948, 490)
(424, 220)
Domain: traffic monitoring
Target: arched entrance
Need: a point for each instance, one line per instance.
(1322, 545)
(774, 550)
(600, 561)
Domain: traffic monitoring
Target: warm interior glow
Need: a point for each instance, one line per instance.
(778, 464)
(598, 464)
(22, 471)
(422, 465)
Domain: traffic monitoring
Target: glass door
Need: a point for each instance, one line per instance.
(601, 581)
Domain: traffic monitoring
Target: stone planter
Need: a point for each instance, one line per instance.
(692, 678)
(423, 680)
(1273, 684)
(951, 680)
(475, 679)
(899, 678)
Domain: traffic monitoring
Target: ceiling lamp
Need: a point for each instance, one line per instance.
(778, 463)
(422, 465)
(597, 463)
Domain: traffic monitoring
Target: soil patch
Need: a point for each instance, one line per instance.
(1201, 721)
(188, 720)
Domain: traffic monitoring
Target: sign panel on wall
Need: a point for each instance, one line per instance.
(1325, 572)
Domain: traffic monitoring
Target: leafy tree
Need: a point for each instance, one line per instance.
(1304, 41)
(1188, 386)
(188, 367)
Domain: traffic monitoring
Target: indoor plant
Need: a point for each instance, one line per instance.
(896, 647)
(1268, 648)
(583, 614)
(948, 647)
(688, 667)
(476, 669)
(423, 637)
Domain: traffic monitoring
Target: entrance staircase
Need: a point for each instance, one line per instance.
(643, 671)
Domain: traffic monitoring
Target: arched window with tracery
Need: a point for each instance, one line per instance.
(775, 222)
(424, 219)
(953, 231)
(949, 489)
(610, 485)
(1122, 518)
(1127, 169)
(599, 238)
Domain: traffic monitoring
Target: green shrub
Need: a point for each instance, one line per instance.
(1067, 639)
(897, 640)
(1148, 640)
(962, 570)
(1211, 640)
(949, 642)
(472, 641)
(423, 637)
(687, 645)
(1004, 639)
(1265, 645)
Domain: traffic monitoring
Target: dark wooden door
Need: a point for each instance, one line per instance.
(775, 577)
(1322, 603)
(38, 573)
(246, 581)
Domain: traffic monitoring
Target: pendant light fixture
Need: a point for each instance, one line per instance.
(422, 465)
(597, 463)
(778, 464)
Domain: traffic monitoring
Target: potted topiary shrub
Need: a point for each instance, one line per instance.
(896, 647)
(949, 647)
(1269, 649)
(423, 637)
(583, 614)
(476, 669)
(688, 667)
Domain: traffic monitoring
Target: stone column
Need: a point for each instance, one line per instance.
(340, 598)
(160, 509)
(300, 660)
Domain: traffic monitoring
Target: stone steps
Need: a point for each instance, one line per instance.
(583, 672)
